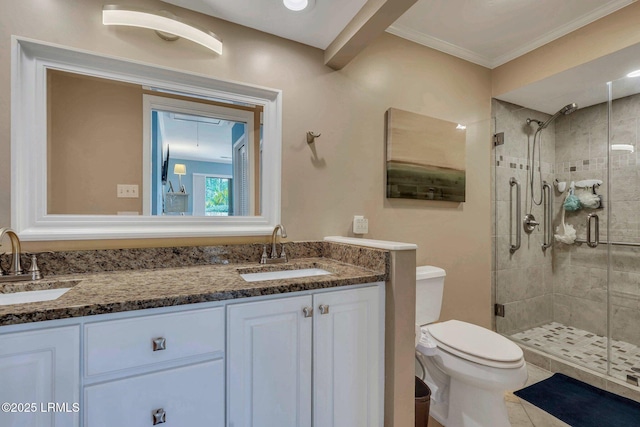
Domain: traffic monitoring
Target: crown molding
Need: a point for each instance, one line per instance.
(437, 44)
(476, 58)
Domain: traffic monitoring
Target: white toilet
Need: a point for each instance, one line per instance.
(467, 367)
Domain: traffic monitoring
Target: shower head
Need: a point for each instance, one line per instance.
(566, 110)
(569, 108)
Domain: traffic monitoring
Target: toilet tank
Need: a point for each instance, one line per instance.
(429, 288)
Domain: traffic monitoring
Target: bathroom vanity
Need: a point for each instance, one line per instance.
(199, 345)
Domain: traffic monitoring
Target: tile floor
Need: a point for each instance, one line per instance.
(583, 348)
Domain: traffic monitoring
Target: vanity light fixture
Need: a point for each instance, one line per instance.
(635, 73)
(461, 127)
(167, 26)
(298, 5)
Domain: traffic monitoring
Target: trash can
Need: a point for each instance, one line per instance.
(423, 399)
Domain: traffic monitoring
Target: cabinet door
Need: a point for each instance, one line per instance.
(40, 374)
(269, 363)
(348, 354)
(181, 397)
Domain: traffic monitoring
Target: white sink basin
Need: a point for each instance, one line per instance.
(283, 274)
(32, 296)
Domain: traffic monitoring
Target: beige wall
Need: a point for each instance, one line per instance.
(94, 131)
(343, 175)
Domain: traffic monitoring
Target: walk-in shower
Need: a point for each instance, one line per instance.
(573, 304)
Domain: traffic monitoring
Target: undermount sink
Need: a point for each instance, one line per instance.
(34, 292)
(283, 274)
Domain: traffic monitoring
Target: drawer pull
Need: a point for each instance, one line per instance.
(159, 344)
(307, 311)
(324, 309)
(159, 416)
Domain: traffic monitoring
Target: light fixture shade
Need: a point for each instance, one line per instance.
(180, 169)
(136, 17)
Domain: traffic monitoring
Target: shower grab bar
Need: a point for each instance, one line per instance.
(594, 243)
(632, 244)
(548, 216)
(514, 182)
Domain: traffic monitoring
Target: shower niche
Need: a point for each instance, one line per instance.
(575, 303)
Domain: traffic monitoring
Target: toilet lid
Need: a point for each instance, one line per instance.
(475, 342)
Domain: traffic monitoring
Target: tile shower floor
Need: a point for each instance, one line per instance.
(583, 348)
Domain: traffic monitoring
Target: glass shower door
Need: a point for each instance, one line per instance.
(624, 231)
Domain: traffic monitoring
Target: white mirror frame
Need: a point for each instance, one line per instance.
(29, 218)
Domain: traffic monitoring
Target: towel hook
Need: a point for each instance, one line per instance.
(311, 136)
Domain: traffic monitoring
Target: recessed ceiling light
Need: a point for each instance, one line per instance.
(298, 5)
(635, 73)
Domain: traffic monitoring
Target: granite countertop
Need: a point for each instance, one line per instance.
(117, 291)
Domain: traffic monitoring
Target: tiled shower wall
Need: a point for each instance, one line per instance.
(525, 277)
(567, 284)
(579, 272)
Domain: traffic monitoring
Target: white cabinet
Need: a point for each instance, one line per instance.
(307, 359)
(348, 358)
(161, 369)
(274, 349)
(192, 395)
(138, 342)
(269, 363)
(39, 369)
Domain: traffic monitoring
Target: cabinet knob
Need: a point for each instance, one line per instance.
(159, 416)
(324, 309)
(308, 311)
(159, 344)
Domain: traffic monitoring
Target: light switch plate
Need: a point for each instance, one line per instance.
(360, 225)
(127, 191)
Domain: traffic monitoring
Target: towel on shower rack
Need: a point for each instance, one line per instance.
(588, 198)
(572, 202)
(566, 234)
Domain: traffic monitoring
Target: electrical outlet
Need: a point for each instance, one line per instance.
(127, 191)
(360, 225)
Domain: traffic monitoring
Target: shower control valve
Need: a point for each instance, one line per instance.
(529, 223)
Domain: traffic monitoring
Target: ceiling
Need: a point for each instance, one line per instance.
(196, 138)
(316, 27)
(486, 32)
(492, 32)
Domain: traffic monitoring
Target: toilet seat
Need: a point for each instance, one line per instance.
(476, 344)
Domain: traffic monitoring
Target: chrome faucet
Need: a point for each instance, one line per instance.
(15, 269)
(274, 250)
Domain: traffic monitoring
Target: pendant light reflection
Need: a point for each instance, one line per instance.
(137, 17)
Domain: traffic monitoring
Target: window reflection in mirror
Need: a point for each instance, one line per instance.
(105, 134)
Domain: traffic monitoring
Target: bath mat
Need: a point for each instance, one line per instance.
(581, 405)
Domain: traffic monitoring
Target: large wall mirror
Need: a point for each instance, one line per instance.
(109, 148)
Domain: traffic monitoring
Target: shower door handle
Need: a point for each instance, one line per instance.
(593, 243)
(548, 215)
(514, 182)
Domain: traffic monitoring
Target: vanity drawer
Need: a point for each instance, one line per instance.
(115, 345)
(188, 396)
